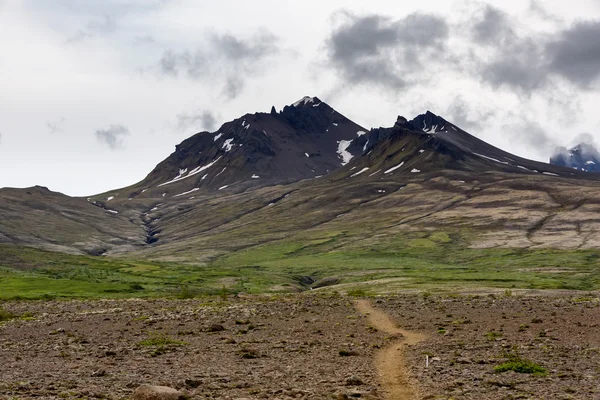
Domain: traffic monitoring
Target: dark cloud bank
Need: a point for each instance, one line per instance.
(375, 49)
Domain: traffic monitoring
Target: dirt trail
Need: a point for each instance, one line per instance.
(389, 361)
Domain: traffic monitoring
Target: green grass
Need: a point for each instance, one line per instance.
(6, 315)
(427, 261)
(161, 341)
(522, 366)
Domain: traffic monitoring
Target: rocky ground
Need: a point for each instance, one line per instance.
(288, 347)
(469, 335)
(311, 347)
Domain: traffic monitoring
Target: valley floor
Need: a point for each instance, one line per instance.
(303, 346)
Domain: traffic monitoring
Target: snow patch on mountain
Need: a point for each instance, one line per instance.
(389, 171)
(304, 100)
(193, 172)
(228, 145)
(359, 172)
(342, 151)
(188, 192)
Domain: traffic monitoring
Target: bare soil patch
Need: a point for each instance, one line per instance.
(390, 361)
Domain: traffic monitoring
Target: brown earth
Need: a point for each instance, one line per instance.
(304, 346)
(390, 361)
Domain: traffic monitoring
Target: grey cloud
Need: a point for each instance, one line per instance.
(531, 134)
(375, 49)
(536, 8)
(575, 53)
(585, 138)
(102, 25)
(226, 58)
(530, 63)
(112, 136)
(516, 72)
(492, 25)
(466, 116)
(509, 59)
(204, 119)
(56, 126)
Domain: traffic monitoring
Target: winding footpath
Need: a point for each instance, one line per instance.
(389, 361)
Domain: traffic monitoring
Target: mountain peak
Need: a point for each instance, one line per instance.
(430, 123)
(314, 101)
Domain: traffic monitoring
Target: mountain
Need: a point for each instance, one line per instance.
(583, 157)
(417, 177)
(304, 140)
(429, 144)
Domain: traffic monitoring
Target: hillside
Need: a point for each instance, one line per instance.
(400, 183)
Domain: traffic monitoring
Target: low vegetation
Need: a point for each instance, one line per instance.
(521, 365)
(358, 269)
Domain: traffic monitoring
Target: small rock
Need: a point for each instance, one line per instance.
(193, 383)
(215, 328)
(353, 381)
(98, 373)
(147, 392)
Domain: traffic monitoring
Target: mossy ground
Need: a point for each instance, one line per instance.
(437, 261)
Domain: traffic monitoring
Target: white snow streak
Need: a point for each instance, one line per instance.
(217, 137)
(193, 172)
(414, 170)
(359, 172)
(549, 173)
(223, 187)
(255, 176)
(394, 168)
(492, 159)
(188, 192)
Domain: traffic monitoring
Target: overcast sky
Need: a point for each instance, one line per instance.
(94, 94)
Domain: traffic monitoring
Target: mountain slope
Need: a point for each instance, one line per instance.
(39, 217)
(429, 143)
(415, 178)
(302, 141)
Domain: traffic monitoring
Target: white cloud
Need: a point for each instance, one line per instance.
(93, 82)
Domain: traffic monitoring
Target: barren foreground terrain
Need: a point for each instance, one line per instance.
(323, 346)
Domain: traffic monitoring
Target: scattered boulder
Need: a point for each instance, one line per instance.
(148, 392)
